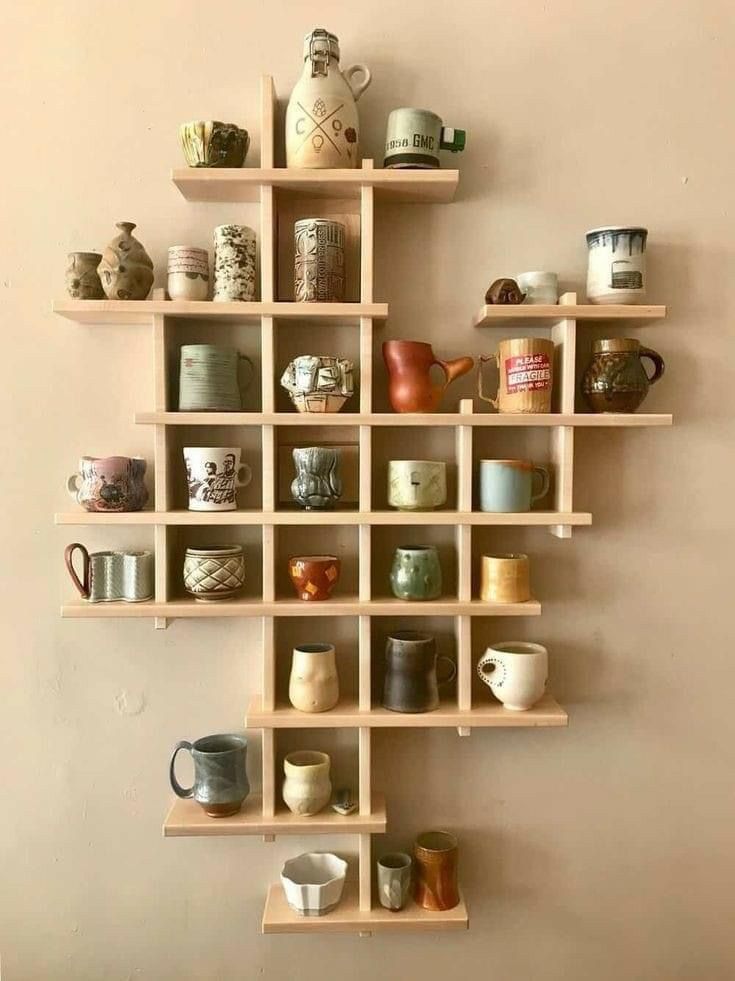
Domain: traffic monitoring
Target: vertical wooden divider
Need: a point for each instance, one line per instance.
(564, 336)
(161, 482)
(463, 624)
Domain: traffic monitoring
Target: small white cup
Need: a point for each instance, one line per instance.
(539, 287)
(515, 672)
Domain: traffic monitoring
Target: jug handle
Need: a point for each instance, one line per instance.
(454, 369)
(83, 585)
(658, 363)
(357, 88)
(251, 375)
(175, 785)
(486, 398)
(452, 673)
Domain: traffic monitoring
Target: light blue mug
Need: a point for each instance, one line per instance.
(507, 485)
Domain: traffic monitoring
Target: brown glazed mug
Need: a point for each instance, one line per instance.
(525, 375)
(314, 576)
(615, 379)
(435, 870)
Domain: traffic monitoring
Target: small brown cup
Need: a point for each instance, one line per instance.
(314, 576)
(435, 870)
(504, 578)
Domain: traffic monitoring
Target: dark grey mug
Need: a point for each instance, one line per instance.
(411, 683)
(220, 774)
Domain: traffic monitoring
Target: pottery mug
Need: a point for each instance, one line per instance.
(313, 685)
(615, 379)
(435, 880)
(234, 264)
(516, 672)
(416, 573)
(415, 137)
(109, 483)
(220, 774)
(108, 577)
(317, 484)
(213, 474)
(394, 880)
(525, 372)
(82, 279)
(319, 383)
(507, 485)
(187, 273)
(314, 576)
(417, 485)
(616, 270)
(214, 573)
(411, 683)
(319, 261)
(505, 578)
(209, 378)
(539, 287)
(307, 787)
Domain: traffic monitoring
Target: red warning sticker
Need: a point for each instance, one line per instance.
(528, 373)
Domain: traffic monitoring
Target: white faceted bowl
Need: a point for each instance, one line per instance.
(313, 882)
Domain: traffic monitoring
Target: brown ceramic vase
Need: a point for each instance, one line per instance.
(615, 379)
(435, 870)
(410, 385)
(314, 576)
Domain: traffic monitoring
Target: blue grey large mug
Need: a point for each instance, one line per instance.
(220, 774)
(209, 378)
(508, 485)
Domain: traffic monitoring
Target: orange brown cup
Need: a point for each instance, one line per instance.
(314, 576)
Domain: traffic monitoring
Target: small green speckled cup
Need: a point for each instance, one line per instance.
(416, 573)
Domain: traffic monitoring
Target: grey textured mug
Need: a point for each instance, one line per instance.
(394, 880)
(415, 137)
(220, 774)
(209, 378)
(109, 577)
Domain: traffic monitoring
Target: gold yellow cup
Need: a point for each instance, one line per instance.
(505, 578)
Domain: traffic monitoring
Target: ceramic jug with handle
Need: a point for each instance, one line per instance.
(322, 125)
(410, 385)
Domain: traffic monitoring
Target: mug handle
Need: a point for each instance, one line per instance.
(82, 586)
(457, 141)
(72, 485)
(482, 359)
(488, 658)
(357, 88)
(545, 483)
(177, 788)
(453, 672)
(658, 363)
(246, 471)
(251, 375)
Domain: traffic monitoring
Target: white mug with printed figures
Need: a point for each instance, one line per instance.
(214, 474)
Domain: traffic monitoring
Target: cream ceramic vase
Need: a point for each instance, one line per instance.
(307, 787)
(322, 126)
(313, 685)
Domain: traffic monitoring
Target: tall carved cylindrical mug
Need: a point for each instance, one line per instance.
(319, 261)
(435, 870)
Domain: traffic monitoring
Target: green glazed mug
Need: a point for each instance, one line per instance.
(416, 573)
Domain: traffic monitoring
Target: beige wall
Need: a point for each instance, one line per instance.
(603, 851)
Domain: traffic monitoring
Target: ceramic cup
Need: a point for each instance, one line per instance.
(435, 870)
(539, 287)
(411, 683)
(234, 264)
(319, 261)
(213, 474)
(416, 573)
(209, 378)
(216, 573)
(317, 485)
(515, 672)
(314, 576)
(313, 685)
(210, 143)
(319, 383)
(394, 880)
(414, 138)
(188, 273)
(525, 375)
(507, 485)
(307, 787)
(82, 279)
(220, 774)
(417, 485)
(505, 578)
(109, 483)
(109, 577)
(616, 265)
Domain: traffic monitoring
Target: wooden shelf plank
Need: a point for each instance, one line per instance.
(343, 606)
(143, 311)
(243, 184)
(347, 715)
(337, 517)
(278, 917)
(611, 314)
(186, 819)
(633, 420)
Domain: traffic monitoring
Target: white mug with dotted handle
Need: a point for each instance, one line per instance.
(515, 672)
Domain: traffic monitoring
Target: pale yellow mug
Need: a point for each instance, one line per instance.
(505, 578)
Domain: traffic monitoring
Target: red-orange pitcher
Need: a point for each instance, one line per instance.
(410, 386)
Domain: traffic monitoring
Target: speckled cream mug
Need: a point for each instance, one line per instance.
(417, 485)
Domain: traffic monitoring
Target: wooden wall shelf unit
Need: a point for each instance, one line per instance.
(281, 193)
